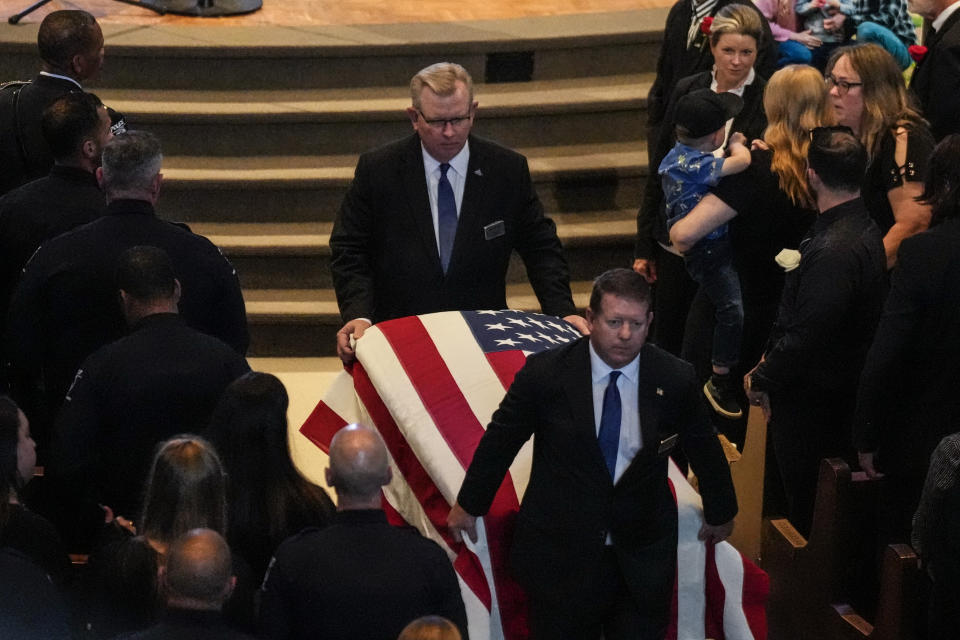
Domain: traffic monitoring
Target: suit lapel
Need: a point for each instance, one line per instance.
(415, 183)
(578, 387)
(920, 81)
(647, 394)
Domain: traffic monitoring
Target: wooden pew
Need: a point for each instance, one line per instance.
(813, 582)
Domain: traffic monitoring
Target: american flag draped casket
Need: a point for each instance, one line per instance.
(429, 384)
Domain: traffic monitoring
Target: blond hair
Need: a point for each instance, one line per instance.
(795, 103)
(442, 78)
(885, 101)
(737, 19)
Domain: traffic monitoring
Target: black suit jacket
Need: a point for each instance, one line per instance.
(751, 122)
(24, 154)
(571, 503)
(908, 399)
(936, 80)
(385, 258)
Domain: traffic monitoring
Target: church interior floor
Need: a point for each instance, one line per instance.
(331, 12)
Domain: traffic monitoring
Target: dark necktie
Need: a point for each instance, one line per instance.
(609, 436)
(446, 217)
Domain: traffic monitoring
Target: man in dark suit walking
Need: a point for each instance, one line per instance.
(430, 221)
(936, 80)
(596, 536)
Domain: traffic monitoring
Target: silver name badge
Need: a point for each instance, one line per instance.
(494, 230)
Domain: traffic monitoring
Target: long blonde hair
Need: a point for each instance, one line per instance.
(795, 103)
(885, 101)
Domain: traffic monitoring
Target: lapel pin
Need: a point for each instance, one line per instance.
(659, 391)
(477, 172)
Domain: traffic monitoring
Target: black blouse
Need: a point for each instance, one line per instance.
(884, 174)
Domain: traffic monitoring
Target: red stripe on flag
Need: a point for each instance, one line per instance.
(756, 590)
(438, 391)
(506, 364)
(320, 426)
(716, 596)
(423, 487)
(454, 419)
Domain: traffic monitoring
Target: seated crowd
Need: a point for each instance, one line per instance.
(802, 230)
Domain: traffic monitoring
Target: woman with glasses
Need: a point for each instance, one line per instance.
(769, 207)
(867, 93)
(735, 36)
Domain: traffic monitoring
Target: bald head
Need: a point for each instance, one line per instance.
(358, 466)
(199, 570)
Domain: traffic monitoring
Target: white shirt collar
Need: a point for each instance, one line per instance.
(57, 75)
(751, 76)
(458, 162)
(946, 13)
(600, 370)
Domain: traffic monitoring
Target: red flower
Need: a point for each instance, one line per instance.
(708, 22)
(917, 51)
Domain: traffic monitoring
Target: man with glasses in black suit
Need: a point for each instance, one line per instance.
(430, 221)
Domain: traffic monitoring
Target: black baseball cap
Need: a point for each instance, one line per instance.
(704, 111)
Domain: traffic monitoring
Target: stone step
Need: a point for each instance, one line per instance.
(580, 177)
(284, 57)
(326, 121)
(297, 255)
(304, 322)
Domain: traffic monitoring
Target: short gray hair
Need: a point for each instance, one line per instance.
(442, 79)
(130, 162)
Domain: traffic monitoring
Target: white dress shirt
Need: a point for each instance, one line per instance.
(456, 174)
(946, 13)
(630, 440)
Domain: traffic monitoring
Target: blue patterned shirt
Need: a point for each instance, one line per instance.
(686, 175)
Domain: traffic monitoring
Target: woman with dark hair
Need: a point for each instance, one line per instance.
(907, 400)
(866, 90)
(20, 528)
(186, 489)
(267, 498)
(734, 38)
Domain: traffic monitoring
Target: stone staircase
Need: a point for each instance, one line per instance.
(262, 127)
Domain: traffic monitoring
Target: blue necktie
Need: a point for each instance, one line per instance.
(609, 435)
(446, 217)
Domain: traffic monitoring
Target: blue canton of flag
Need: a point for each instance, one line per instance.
(511, 330)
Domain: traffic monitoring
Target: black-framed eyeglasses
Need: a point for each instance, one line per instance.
(843, 86)
(441, 123)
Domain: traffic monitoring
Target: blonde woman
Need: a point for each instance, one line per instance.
(769, 207)
(866, 92)
(735, 37)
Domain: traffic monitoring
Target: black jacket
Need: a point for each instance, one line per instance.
(357, 578)
(24, 154)
(66, 306)
(385, 259)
